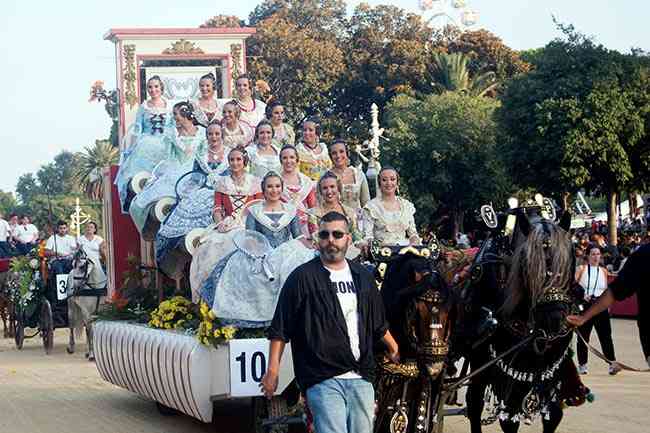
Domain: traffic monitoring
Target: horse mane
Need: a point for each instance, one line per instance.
(529, 271)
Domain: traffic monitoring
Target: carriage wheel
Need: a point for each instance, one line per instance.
(19, 330)
(46, 326)
(264, 409)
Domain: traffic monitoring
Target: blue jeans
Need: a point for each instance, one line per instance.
(342, 405)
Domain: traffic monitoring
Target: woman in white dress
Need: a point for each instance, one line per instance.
(253, 111)
(263, 155)
(388, 218)
(92, 244)
(236, 132)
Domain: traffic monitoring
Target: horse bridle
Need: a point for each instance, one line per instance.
(433, 301)
(79, 256)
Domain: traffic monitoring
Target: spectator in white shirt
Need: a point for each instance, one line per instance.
(26, 235)
(5, 236)
(91, 243)
(61, 245)
(59, 248)
(13, 227)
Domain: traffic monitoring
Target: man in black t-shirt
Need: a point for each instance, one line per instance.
(331, 312)
(632, 279)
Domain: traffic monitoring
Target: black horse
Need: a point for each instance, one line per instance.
(418, 312)
(524, 275)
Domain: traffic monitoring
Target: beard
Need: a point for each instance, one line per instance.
(332, 253)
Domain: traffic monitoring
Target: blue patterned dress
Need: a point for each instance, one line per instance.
(244, 285)
(166, 174)
(149, 141)
(194, 204)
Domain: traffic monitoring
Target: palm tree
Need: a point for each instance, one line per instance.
(90, 164)
(449, 73)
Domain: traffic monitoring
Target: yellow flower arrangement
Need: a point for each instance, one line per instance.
(210, 332)
(174, 313)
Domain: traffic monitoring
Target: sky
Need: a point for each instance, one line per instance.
(53, 51)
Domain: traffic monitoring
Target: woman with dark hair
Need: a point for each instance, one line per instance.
(244, 284)
(314, 160)
(236, 132)
(213, 156)
(329, 200)
(389, 218)
(253, 110)
(220, 203)
(92, 244)
(189, 139)
(148, 140)
(186, 142)
(262, 153)
(355, 193)
(283, 133)
(207, 103)
(299, 189)
(593, 278)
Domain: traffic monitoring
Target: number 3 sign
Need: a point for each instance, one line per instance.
(248, 359)
(61, 287)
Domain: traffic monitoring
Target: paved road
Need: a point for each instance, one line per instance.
(64, 393)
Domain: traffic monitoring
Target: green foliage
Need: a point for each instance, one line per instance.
(444, 147)
(298, 63)
(449, 73)
(90, 164)
(385, 55)
(7, 203)
(579, 119)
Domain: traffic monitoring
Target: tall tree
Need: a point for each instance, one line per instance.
(8, 203)
(444, 147)
(385, 54)
(486, 52)
(578, 119)
(90, 163)
(27, 187)
(449, 72)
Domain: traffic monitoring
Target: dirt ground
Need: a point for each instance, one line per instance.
(64, 393)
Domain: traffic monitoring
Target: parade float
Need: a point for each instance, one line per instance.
(177, 355)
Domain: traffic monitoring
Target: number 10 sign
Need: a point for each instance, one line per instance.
(248, 360)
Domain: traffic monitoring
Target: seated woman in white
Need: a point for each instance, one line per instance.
(243, 287)
(389, 218)
(92, 244)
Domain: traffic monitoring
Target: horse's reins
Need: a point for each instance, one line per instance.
(600, 355)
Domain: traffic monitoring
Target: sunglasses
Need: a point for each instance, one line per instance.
(337, 234)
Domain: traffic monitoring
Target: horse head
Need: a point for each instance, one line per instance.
(540, 282)
(82, 267)
(418, 311)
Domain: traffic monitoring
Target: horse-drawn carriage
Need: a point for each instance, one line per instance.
(44, 300)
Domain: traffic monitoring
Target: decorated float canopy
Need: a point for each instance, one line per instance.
(179, 56)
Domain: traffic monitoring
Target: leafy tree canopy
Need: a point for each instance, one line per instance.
(444, 147)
